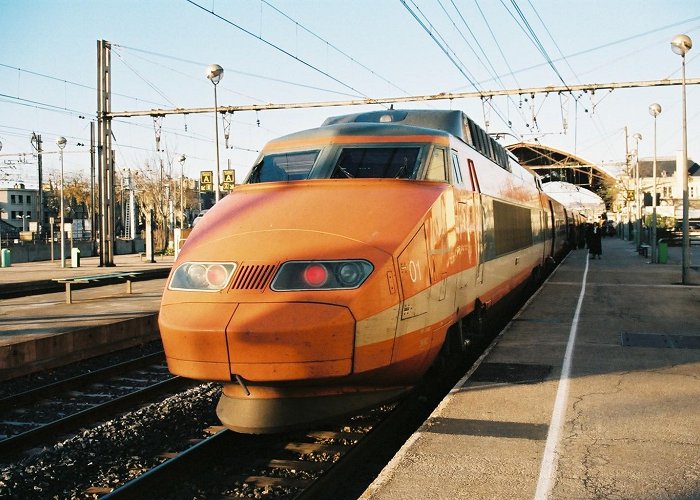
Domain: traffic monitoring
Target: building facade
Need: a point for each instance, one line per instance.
(669, 187)
(18, 206)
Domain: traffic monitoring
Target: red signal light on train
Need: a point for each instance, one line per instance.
(321, 275)
(217, 276)
(315, 275)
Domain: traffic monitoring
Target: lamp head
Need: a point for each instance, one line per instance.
(182, 158)
(215, 73)
(638, 136)
(655, 109)
(61, 142)
(681, 44)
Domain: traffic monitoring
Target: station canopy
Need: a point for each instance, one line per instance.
(576, 199)
(554, 165)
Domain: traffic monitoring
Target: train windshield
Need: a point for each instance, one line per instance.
(284, 167)
(377, 162)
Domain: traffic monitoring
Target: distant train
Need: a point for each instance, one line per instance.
(330, 280)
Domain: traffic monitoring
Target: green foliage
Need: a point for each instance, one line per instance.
(661, 222)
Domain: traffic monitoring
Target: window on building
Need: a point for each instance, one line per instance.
(13, 198)
(29, 199)
(20, 198)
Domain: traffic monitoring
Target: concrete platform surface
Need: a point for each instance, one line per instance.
(47, 270)
(41, 331)
(591, 392)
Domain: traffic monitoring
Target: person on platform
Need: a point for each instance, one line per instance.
(594, 241)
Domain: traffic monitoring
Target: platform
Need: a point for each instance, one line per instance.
(41, 331)
(592, 391)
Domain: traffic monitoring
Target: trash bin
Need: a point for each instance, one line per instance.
(663, 252)
(74, 257)
(5, 257)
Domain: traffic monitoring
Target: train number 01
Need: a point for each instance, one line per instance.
(414, 271)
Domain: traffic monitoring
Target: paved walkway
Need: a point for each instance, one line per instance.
(43, 270)
(592, 392)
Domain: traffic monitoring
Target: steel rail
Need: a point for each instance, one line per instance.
(80, 380)
(190, 461)
(15, 445)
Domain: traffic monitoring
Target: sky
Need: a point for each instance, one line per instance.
(303, 51)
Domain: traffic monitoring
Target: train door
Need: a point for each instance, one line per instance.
(478, 223)
(552, 226)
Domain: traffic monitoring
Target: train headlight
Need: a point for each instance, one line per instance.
(202, 276)
(321, 275)
(349, 274)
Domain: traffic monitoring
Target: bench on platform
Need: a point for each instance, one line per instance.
(644, 249)
(96, 280)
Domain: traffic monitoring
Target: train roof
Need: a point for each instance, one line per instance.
(347, 129)
(452, 122)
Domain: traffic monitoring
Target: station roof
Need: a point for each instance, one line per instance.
(556, 165)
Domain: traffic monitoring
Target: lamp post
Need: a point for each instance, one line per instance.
(61, 143)
(680, 45)
(215, 73)
(182, 189)
(3, 210)
(24, 221)
(654, 110)
(637, 192)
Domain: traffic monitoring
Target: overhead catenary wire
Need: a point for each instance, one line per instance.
(450, 53)
(277, 47)
(334, 47)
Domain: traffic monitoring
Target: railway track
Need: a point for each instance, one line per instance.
(44, 413)
(334, 461)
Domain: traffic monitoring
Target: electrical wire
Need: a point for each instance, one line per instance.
(277, 47)
(334, 47)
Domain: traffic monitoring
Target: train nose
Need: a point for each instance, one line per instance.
(259, 341)
(290, 341)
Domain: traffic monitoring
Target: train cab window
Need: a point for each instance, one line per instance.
(377, 163)
(436, 167)
(283, 167)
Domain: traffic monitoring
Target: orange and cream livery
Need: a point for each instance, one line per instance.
(330, 280)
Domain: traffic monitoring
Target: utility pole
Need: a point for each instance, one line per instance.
(105, 153)
(36, 142)
(93, 206)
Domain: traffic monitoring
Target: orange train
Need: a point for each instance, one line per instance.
(329, 281)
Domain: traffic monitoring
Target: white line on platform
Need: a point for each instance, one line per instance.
(548, 468)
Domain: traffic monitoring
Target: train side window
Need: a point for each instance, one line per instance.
(436, 168)
(456, 170)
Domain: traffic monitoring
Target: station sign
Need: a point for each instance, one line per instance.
(206, 181)
(229, 180)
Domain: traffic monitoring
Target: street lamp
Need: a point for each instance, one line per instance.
(215, 73)
(637, 192)
(654, 110)
(680, 45)
(61, 143)
(182, 197)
